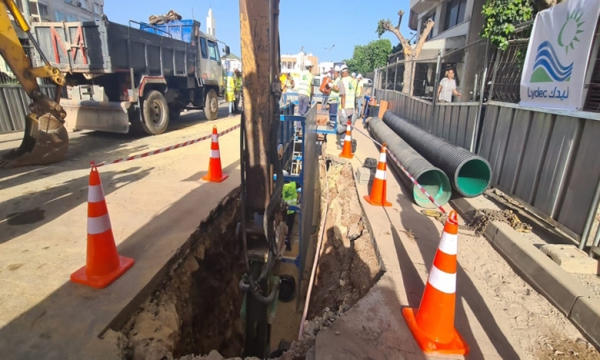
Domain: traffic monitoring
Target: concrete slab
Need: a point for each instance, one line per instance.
(363, 175)
(571, 259)
(154, 203)
(585, 315)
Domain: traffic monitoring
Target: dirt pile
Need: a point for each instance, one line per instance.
(195, 308)
(349, 264)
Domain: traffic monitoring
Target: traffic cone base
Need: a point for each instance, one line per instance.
(100, 282)
(456, 346)
(376, 203)
(347, 147)
(210, 178)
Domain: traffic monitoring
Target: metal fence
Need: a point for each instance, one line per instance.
(14, 105)
(545, 159)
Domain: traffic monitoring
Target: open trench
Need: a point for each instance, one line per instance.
(195, 308)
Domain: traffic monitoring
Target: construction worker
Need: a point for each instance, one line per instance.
(347, 99)
(290, 196)
(230, 91)
(238, 89)
(334, 97)
(359, 94)
(305, 88)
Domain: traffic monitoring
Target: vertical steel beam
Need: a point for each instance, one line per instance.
(258, 105)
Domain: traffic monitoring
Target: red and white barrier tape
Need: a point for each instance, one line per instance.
(172, 147)
(406, 172)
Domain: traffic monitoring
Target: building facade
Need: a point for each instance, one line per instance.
(295, 62)
(63, 10)
(211, 25)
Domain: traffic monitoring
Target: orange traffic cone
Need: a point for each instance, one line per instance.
(347, 149)
(103, 263)
(215, 173)
(379, 188)
(433, 324)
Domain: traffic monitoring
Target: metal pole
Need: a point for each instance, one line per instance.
(396, 74)
(590, 219)
(481, 96)
(435, 90)
(496, 66)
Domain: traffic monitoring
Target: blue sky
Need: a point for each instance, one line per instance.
(345, 23)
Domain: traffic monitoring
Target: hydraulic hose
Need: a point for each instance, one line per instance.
(469, 174)
(432, 179)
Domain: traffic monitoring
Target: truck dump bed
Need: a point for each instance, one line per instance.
(102, 47)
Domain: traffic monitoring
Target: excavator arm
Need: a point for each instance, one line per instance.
(45, 140)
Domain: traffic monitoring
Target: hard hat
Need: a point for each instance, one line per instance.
(353, 74)
(308, 63)
(359, 76)
(344, 68)
(336, 68)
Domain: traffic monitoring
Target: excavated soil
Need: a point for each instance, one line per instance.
(196, 307)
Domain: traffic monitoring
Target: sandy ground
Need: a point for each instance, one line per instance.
(498, 313)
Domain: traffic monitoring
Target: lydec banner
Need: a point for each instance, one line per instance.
(557, 56)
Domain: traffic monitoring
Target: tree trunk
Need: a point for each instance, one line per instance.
(409, 66)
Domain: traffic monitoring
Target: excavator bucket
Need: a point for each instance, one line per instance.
(46, 141)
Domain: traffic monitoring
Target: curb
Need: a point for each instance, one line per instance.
(573, 299)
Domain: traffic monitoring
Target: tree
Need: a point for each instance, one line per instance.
(500, 15)
(368, 57)
(410, 53)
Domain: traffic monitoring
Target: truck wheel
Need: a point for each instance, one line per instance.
(155, 113)
(211, 105)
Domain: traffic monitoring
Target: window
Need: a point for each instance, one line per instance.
(84, 4)
(455, 13)
(97, 9)
(43, 10)
(72, 18)
(213, 51)
(69, 2)
(59, 16)
(204, 48)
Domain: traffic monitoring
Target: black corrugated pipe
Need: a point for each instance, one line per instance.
(428, 176)
(470, 174)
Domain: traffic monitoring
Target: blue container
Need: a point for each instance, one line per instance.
(177, 29)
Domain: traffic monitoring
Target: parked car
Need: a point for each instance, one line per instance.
(367, 82)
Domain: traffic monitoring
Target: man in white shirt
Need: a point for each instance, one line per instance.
(447, 88)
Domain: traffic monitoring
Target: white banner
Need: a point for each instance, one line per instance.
(557, 56)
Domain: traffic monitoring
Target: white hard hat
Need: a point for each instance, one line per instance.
(344, 68)
(353, 74)
(336, 68)
(359, 76)
(308, 63)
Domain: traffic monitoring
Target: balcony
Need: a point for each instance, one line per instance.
(418, 6)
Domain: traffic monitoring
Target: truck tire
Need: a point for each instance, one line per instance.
(155, 113)
(211, 105)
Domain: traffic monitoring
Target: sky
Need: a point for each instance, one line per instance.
(325, 23)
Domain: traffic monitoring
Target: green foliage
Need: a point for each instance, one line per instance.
(500, 17)
(368, 57)
(381, 27)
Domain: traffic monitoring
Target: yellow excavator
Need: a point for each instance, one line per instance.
(46, 140)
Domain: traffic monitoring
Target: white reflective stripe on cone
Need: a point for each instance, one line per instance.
(442, 281)
(380, 174)
(215, 154)
(215, 138)
(98, 225)
(95, 193)
(348, 138)
(382, 157)
(449, 244)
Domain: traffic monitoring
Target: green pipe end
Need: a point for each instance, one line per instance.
(437, 184)
(473, 177)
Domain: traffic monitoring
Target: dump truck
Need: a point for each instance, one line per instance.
(135, 77)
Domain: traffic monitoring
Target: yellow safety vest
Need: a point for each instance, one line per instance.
(238, 84)
(305, 83)
(359, 88)
(334, 96)
(290, 195)
(350, 91)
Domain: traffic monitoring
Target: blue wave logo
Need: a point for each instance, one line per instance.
(547, 67)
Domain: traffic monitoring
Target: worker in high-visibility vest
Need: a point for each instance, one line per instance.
(359, 94)
(230, 91)
(347, 99)
(355, 82)
(290, 196)
(334, 97)
(305, 88)
(238, 90)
